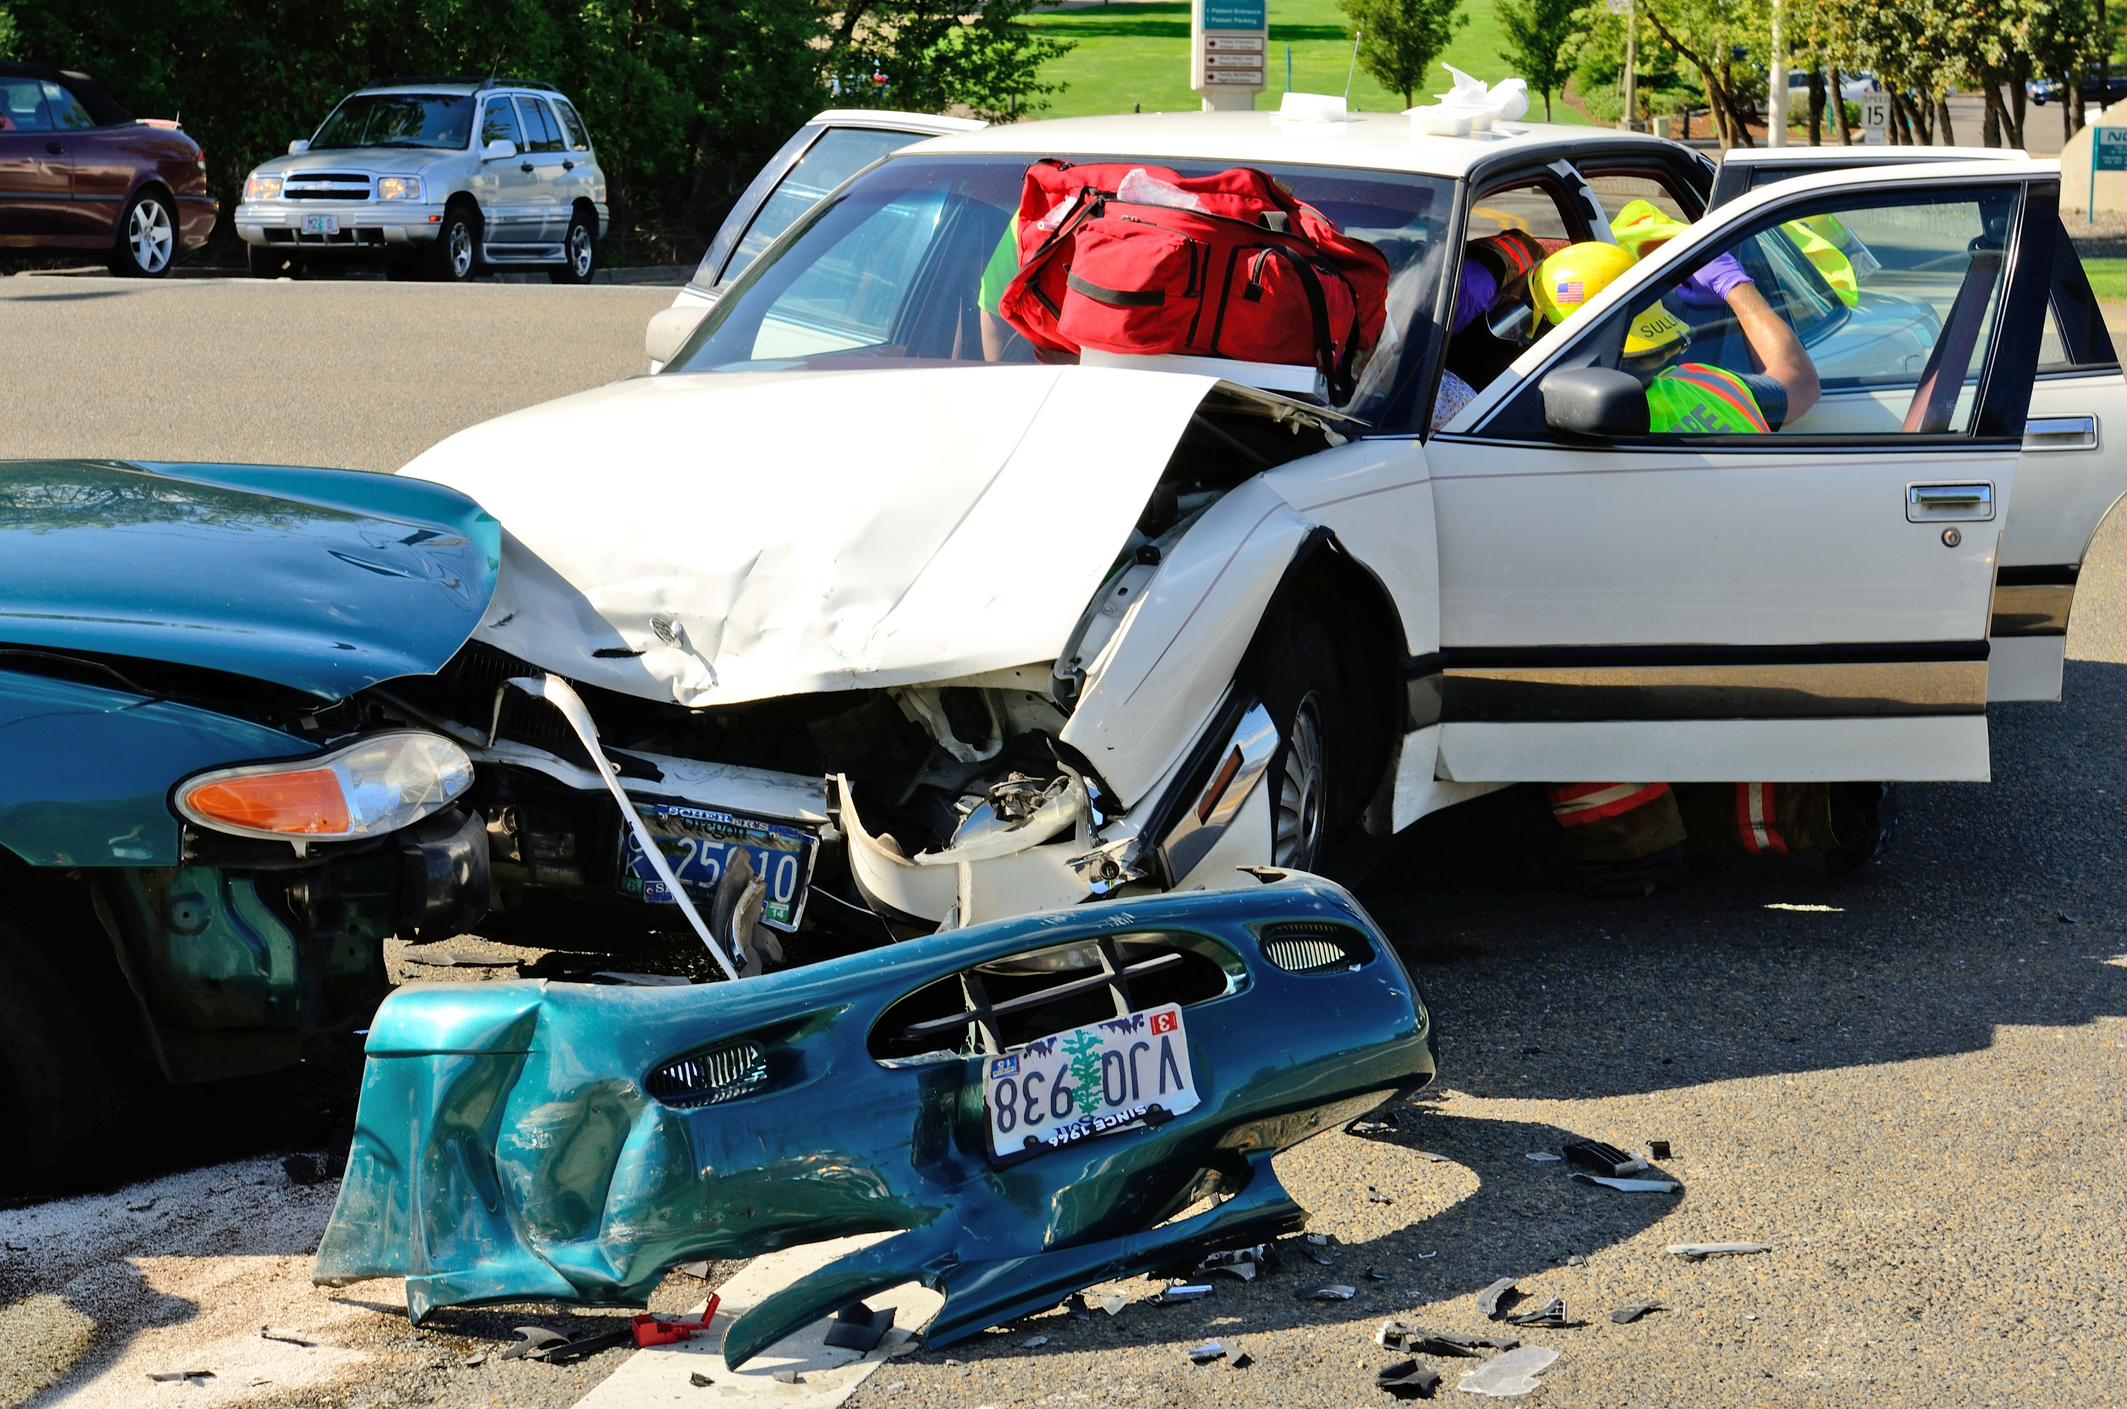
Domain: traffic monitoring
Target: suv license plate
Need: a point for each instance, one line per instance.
(1093, 1080)
(321, 224)
(698, 843)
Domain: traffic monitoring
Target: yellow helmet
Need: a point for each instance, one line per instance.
(1639, 225)
(1578, 273)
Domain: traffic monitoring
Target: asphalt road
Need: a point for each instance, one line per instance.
(1910, 1083)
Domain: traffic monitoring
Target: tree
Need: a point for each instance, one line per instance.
(1724, 40)
(1536, 31)
(1399, 39)
(938, 54)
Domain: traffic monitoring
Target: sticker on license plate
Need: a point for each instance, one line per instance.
(698, 844)
(321, 224)
(1108, 1076)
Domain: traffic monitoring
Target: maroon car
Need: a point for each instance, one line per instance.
(77, 172)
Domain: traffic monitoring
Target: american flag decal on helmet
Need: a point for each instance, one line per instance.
(1569, 291)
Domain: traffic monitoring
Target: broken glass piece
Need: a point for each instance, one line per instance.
(1113, 1303)
(1542, 1156)
(787, 1377)
(1626, 1315)
(1430, 1157)
(1315, 1256)
(1033, 1342)
(697, 1270)
(1373, 1276)
(1206, 1353)
(1714, 1249)
(1488, 1300)
(1375, 1196)
(1630, 1186)
(700, 1380)
(1335, 1291)
(1407, 1380)
(1511, 1374)
(1551, 1313)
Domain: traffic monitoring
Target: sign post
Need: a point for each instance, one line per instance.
(2108, 152)
(1875, 119)
(1229, 43)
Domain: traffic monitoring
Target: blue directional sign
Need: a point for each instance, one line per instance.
(1244, 14)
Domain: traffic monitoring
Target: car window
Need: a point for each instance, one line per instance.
(892, 271)
(840, 153)
(1617, 192)
(579, 136)
(66, 110)
(541, 133)
(437, 120)
(2075, 337)
(1862, 318)
(1531, 206)
(498, 123)
(22, 106)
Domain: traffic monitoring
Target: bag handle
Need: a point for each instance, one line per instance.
(1335, 370)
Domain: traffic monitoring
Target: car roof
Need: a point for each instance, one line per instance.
(1381, 141)
(457, 87)
(892, 121)
(1866, 156)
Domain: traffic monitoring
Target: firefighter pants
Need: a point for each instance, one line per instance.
(1601, 822)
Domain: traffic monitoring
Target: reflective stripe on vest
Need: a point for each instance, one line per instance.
(1577, 804)
(1697, 399)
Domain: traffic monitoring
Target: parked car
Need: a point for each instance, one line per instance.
(2046, 90)
(822, 154)
(79, 173)
(445, 177)
(868, 623)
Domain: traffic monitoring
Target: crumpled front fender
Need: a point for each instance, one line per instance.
(509, 1145)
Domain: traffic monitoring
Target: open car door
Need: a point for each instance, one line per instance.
(1638, 586)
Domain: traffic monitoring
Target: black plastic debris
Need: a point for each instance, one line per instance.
(1626, 1315)
(584, 1346)
(267, 1333)
(1551, 1314)
(1335, 1291)
(1406, 1379)
(1574, 1259)
(536, 1338)
(700, 1380)
(1598, 1158)
(857, 1327)
(1241, 1361)
(1243, 1263)
(1376, 1125)
(1375, 1196)
(1696, 1251)
(1412, 1339)
(1659, 1149)
(313, 1169)
(2064, 917)
(1494, 1298)
(1075, 1306)
(141, 1208)
(1373, 1276)
(179, 1376)
(1532, 1051)
(1206, 1353)
(697, 1270)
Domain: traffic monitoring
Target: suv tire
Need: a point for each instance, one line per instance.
(455, 256)
(579, 248)
(57, 1100)
(146, 243)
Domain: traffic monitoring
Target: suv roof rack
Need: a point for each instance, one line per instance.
(480, 85)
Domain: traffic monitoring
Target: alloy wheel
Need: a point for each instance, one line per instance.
(150, 236)
(580, 252)
(461, 247)
(1298, 825)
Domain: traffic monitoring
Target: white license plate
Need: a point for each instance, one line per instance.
(1093, 1080)
(321, 224)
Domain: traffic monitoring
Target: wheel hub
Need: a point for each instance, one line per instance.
(1298, 823)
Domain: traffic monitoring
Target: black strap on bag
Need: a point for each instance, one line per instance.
(1336, 371)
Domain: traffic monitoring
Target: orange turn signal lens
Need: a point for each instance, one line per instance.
(308, 803)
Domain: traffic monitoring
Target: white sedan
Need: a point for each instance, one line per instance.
(874, 612)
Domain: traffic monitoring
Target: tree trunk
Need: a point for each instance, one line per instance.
(1846, 138)
(1816, 106)
(2018, 77)
(1942, 121)
(2075, 97)
(1990, 127)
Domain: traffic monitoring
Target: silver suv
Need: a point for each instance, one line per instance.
(442, 175)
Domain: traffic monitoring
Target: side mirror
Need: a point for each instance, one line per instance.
(669, 330)
(498, 149)
(298, 147)
(1595, 401)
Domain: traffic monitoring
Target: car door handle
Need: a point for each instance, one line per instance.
(526, 168)
(1967, 502)
(2061, 433)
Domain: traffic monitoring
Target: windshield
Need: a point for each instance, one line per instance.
(890, 273)
(398, 120)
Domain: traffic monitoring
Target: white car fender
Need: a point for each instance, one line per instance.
(1150, 690)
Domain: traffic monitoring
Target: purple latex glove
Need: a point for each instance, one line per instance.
(1710, 287)
(1476, 294)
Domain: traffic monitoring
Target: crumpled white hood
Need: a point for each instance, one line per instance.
(763, 534)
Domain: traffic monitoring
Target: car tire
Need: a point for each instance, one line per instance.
(1312, 734)
(579, 247)
(455, 256)
(57, 1101)
(146, 243)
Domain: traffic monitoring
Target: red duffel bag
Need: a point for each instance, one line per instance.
(1139, 259)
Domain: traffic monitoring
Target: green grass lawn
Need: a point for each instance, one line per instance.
(2108, 279)
(1139, 53)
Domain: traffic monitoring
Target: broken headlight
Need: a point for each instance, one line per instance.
(375, 785)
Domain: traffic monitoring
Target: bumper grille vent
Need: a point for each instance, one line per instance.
(710, 1078)
(1314, 946)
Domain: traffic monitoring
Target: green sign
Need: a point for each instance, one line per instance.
(2108, 148)
(1250, 14)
